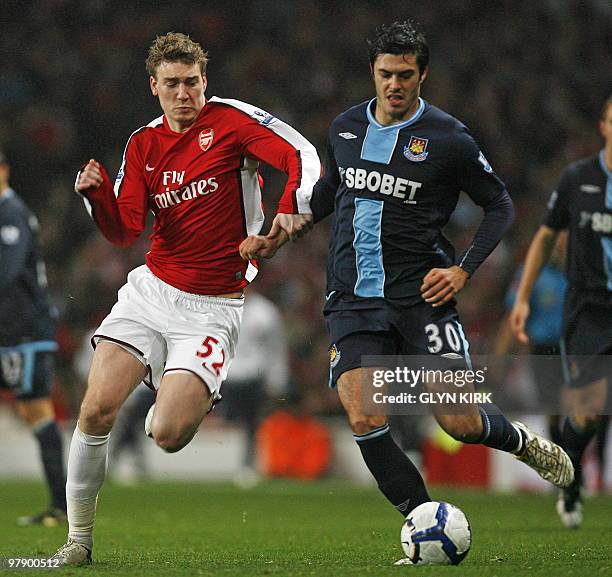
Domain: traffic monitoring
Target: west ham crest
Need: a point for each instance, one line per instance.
(334, 356)
(205, 139)
(416, 151)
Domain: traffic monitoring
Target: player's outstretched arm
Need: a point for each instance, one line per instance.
(537, 256)
(259, 246)
(440, 285)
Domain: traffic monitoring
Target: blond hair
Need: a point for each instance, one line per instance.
(175, 47)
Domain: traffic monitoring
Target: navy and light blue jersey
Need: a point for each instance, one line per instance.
(25, 308)
(392, 189)
(582, 204)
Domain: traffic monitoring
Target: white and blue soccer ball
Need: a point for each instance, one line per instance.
(436, 533)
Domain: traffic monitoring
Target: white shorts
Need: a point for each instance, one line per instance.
(171, 330)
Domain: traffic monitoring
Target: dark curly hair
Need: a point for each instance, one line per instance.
(405, 37)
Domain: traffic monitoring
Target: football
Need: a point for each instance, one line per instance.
(436, 533)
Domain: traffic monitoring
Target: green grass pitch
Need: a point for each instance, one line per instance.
(294, 530)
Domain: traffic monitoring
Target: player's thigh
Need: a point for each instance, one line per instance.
(352, 396)
(182, 401)
(115, 372)
(353, 374)
(586, 349)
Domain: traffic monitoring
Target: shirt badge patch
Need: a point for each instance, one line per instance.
(347, 135)
(334, 356)
(416, 151)
(263, 117)
(205, 139)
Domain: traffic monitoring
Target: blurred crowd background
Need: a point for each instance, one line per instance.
(528, 79)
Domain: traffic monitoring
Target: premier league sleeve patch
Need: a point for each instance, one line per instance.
(416, 151)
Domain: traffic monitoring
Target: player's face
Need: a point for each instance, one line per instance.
(180, 88)
(398, 85)
(605, 126)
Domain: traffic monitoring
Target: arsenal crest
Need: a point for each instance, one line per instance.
(205, 139)
(416, 149)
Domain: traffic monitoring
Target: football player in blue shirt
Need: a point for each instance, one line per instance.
(582, 205)
(394, 169)
(27, 340)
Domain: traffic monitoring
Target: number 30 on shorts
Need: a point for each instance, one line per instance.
(212, 348)
(437, 335)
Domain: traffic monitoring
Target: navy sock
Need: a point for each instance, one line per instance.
(497, 431)
(397, 477)
(52, 457)
(575, 440)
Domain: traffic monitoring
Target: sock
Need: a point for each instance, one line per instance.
(497, 431)
(398, 479)
(600, 448)
(52, 457)
(87, 464)
(575, 440)
(554, 429)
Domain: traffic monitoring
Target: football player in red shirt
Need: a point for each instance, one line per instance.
(176, 321)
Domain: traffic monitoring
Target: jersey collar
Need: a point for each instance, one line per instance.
(380, 140)
(373, 122)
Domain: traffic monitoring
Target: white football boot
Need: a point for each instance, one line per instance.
(72, 553)
(545, 457)
(148, 419)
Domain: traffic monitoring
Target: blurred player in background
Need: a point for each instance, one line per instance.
(177, 319)
(27, 339)
(582, 205)
(544, 329)
(393, 173)
(259, 372)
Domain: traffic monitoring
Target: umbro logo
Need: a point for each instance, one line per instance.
(347, 135)
(590, 188)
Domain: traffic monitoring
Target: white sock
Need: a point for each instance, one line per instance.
(87, 464)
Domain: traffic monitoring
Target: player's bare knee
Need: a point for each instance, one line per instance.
(464, 428)
(172, 439)
(97, 417)
(363, 424)
(172, 443)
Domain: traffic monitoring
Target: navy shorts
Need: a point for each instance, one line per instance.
(384, 329)
(586, 347)
(27, 369)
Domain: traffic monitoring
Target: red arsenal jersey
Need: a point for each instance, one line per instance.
(203, 188)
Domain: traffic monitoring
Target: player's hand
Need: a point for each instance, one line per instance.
(90, 177)
(295, 225)
(518, 320)
(440, 285)
(257, 246)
